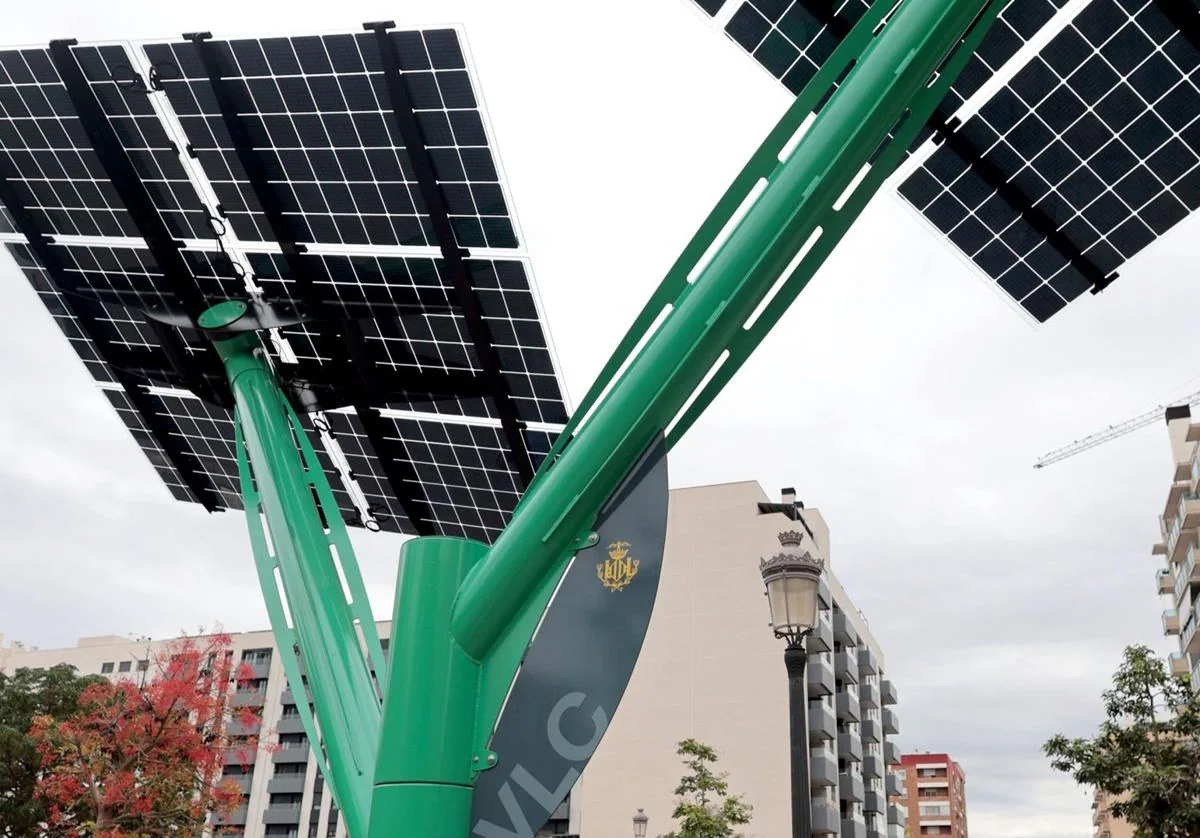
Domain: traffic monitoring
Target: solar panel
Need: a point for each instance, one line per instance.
(320, 117)
(341, 182)
(790, 39)
(1088, 155)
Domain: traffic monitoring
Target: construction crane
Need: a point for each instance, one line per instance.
(1111, 433)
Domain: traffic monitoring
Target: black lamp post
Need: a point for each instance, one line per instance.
(792, 578)
(639, 824)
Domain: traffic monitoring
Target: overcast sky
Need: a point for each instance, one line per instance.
(900, 395)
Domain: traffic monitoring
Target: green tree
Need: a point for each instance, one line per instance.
(25, 694)
(1146, 752)
(705, 808)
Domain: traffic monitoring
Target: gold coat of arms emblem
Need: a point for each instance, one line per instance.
(618, 570)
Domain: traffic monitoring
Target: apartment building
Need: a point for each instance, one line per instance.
(1179, 580)
(1106, 824)
(933, 789)
(710, 669)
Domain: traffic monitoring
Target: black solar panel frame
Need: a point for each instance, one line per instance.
(125, 178)
(148, 414)
(1066, 258)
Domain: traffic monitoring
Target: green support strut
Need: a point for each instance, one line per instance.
(323, 622)
(426, 770)
(714, 311)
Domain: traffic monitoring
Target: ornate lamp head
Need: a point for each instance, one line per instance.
(792, 577)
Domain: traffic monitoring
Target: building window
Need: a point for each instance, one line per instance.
(106, 668)
(125, 666)
(932, 809)
(143, 665)
(256, 656)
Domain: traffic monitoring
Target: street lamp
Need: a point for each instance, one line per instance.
(639, 824)
(792, 577)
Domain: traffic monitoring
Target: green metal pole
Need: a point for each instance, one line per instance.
(347, 707)
(424, 777)
(709, 314)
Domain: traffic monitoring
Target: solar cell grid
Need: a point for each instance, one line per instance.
(792, 38)
(47, 153)
(135, 423)
(437, 341)
(1099, 142)
(61, 311)
(321, 124)
(470, 488)
(382, 501)
(322, 95)
(206, 433)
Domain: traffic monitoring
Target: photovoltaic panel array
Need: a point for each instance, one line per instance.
(1088, 155)
(341, 182)
(326, 139)
(791, 39)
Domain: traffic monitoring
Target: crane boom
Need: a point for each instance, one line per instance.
(1110, 433)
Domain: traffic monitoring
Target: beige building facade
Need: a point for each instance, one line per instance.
(710, 669)
(1178, 582)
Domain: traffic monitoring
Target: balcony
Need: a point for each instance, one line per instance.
(261, 669)
(249, 698)
(872, 767)
(1170, 622)
(286, 784)
(1178, 489)
(1179, 661)
(244, 781)
(897, 815)
(891, 755)
(843, 629)
(1196, 680)
(1189, 640)
(1186, 573)
(235, 818)
(237, 727)
(822, 726)
(868, 694)
(868, 662)
(820, 678)
(849, 747)
(887, 692)
(1179, 538)
(239, 755)
(824, 597)
(823, 771)
(846, 666)
(282, 813)
(821, 639)
(851, 788)
(892, 785)
(296, 753)
(896, 831)
(848, 708)
(870, 730)
(826, 820)
(875, 803)
(290, 724)
(1166, 581)
(891, 725)
(853, 829)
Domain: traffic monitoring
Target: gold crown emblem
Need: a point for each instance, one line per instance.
(618, 550)
(618, 570)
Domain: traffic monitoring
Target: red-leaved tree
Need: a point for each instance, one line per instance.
(146, 758)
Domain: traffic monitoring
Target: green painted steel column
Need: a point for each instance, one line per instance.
(337, 671)
(426, 766)
(674, 361)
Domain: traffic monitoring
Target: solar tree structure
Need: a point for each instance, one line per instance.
(291, 265)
